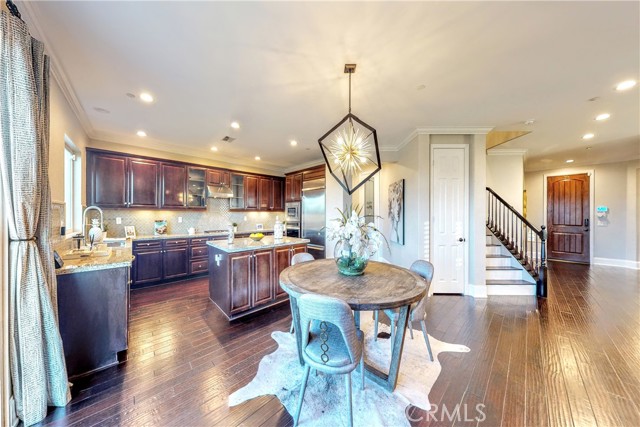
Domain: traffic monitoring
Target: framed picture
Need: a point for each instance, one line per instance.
(396, 211)
(160, 227)
(130, 231)
(259, 227)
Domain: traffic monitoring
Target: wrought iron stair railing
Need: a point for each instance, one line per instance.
(525, 242)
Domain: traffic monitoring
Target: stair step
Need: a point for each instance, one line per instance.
(493, 244)
(504, 268)
(497, 256)
(509, 282)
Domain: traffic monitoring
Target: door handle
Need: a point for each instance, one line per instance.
(462, 239)
(586, 224)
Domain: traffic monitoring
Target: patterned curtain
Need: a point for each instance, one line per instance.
(38, 371)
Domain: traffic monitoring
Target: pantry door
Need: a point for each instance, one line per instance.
(449, 217)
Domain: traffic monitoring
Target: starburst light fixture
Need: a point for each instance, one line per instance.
(350, 148)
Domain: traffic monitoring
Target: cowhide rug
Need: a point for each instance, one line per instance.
(280, 374)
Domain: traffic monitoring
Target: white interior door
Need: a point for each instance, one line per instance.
(449, 207)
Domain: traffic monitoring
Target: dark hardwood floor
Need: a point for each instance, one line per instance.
(572, 360)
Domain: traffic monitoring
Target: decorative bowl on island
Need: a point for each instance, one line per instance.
(256, 237)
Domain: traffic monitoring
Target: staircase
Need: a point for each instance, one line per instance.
(505, 275)
(516, 251)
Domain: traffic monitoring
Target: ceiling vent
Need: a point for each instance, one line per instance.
(228, 139)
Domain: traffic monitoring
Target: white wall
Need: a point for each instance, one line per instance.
(615, 186)
(335, 198)
(505, 175)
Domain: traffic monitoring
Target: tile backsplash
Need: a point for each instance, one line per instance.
(215, 217)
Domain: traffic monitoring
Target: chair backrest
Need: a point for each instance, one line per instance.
(321, 308)
(425, 270)
(301, 257)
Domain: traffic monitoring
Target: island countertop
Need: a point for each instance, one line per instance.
(246, 244)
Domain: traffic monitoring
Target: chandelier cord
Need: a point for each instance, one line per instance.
(350, 92)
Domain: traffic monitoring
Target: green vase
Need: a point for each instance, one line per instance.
(350, 262)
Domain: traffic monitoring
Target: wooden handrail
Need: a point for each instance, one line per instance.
(516, 213)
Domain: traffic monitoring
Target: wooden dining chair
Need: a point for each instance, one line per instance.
(417, 313)
(298, 258)
(330, 342)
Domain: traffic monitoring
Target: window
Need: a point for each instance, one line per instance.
(72, 188)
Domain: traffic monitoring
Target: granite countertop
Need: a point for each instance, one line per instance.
(120, 257)
(246, 244)
(199, 234)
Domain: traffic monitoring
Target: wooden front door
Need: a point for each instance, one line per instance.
(568, 217)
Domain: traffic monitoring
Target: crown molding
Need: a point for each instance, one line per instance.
(30, 15)
(302, 166)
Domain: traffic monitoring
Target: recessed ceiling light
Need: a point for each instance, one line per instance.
(214, 148)
(625, 85)
(569, 161)
(294, 142)
(235, 125)
(529, 122)
(257, 157)
(603, 116)
(588, 136)
(141, 133)
(146, 97)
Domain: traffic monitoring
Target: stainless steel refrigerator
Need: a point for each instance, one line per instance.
(313, 216)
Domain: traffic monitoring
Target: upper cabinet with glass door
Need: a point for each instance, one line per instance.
(196, 188)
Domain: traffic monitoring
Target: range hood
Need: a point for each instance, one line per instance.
(219, 192)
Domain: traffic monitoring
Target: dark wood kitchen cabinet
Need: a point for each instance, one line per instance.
(251, 279)
(218, 177)
(143, 183)
(265, 194)
(160, 260)
(277, 201)
(282, 259)
(115, 181)
(93, 315)
(251, 192)
(293, 187)
(174, 185)
(106, 180)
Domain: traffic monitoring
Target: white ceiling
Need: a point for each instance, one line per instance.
(277, 68)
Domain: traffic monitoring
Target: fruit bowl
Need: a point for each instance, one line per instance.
(256, 237)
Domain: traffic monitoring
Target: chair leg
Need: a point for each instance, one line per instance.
(362, 369)
(375, 328)
(291, 328)
(409, 324)
(347, 383)
(392, 323)
(303, 387)
(426, 338)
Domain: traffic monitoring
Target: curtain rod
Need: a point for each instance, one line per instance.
(13, 9)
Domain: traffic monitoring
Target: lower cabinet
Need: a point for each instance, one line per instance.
(161, 260)
(93, 315)
(283, 257)
(245, 282)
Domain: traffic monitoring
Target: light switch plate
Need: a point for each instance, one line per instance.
(118, 220)
(179, 219)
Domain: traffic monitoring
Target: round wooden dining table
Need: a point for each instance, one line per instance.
(382, 286)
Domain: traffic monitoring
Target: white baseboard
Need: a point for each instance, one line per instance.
(613, 262)
(13, 417)
(476, 291)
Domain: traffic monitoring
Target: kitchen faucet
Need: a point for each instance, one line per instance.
(84, 221)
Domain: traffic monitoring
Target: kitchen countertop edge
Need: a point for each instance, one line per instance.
(267, 243)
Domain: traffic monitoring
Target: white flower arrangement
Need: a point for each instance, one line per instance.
(354, 230)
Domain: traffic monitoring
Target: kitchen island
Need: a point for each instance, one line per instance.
(243, 275)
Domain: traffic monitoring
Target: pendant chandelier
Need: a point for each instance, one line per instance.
(350, 148)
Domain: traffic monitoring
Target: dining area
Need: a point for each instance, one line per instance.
(337, 363)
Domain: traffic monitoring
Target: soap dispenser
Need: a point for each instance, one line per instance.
(278, 230)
